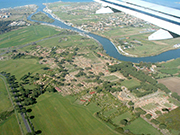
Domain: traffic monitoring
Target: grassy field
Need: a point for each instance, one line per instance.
(174, 101)
(130, 83)
(107, 113)
(55, 115)
(171, 119)
(126, 115)
(42, 17)
(5, 103)
(140, 126)
(149, 106)
(26, 35)
(111, 78)
(71, 40)
(171, 67)
(171, 64)
(10, 126)
(20, 67)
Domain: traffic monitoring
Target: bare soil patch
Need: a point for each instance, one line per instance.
(172, 83)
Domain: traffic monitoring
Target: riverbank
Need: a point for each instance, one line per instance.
(49, 11)
(128, 32)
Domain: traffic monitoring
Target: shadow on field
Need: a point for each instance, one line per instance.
(38, 132)
(32, 117)
(29, 110)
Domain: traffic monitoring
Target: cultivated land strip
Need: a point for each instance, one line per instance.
(22, 46)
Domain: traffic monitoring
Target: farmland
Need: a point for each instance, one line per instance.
(26, 35)
(10, 126)
(20, 67)
(66, 117)
(140, 126)
(5, 102)
(171, 119)
(172, 83)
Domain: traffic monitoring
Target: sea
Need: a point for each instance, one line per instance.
(15, 3)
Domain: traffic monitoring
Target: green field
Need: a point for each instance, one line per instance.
(171, 67)
(171, 119)
(149, 106)
(172, 64)
(5, 103)
(71, 41)
(140, 126)
(42, 17)
(130, 83)
(20, 67)
(10, 126)
(107, 113)
(26, 35)
(126, 115)
(55, 114)
(174, 101)
(111, 78)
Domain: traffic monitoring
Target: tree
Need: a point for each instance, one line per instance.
(148, 116)
(124, 122)
(162, 126)
(155, 121)
(130, 103)
(165, 109)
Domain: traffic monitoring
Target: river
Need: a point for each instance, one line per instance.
(109, 47)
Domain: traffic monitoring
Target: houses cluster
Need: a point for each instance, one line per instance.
(19, 23)
(176, 45)
(105, 23)
(146, 69)
(5, 15)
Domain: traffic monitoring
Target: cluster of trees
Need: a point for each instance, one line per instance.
(127, 68)
(17, 56)
(163, 87)
(107, 87)
(176, 96)
(144, 64)
(148, 83)
(4, 115)
(81, 73)
(139, 111)
(147, 89)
